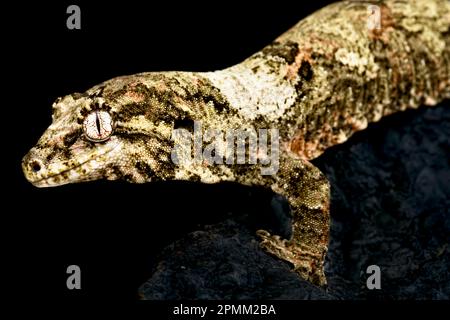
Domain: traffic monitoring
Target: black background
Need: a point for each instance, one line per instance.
(112, 230)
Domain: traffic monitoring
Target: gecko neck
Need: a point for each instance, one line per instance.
(256, 88)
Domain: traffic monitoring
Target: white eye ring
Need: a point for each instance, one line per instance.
(98, 126)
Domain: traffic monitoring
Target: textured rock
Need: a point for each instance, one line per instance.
(390, 200)
(224, 261)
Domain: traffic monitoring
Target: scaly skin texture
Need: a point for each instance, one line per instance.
(322, 80)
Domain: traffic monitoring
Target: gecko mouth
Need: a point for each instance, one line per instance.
(86, 170)
(60, 178)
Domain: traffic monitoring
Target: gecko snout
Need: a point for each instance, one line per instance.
(32, 167)
(36, 166)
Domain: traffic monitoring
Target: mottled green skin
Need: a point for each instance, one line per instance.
(318, 83)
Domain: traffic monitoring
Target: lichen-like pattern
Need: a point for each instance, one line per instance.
(327, 77)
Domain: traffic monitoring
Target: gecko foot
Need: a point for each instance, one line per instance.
(306, 262)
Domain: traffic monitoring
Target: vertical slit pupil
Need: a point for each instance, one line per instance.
(97, 122)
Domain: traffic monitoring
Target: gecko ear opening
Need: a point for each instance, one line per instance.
(185, 123)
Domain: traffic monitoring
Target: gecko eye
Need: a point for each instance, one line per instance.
(98, 126)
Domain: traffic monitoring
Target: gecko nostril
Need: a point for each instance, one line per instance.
(35, 166)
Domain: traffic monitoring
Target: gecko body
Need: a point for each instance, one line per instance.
(324, 79)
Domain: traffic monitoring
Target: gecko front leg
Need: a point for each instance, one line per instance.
(308, 193)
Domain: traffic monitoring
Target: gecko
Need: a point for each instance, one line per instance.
(324, 79)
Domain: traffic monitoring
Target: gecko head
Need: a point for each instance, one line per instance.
(120, 129)
(77, 146)
(115, 132)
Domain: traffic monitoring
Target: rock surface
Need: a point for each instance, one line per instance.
(224, 262)
(390, 200)
(390, 207)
